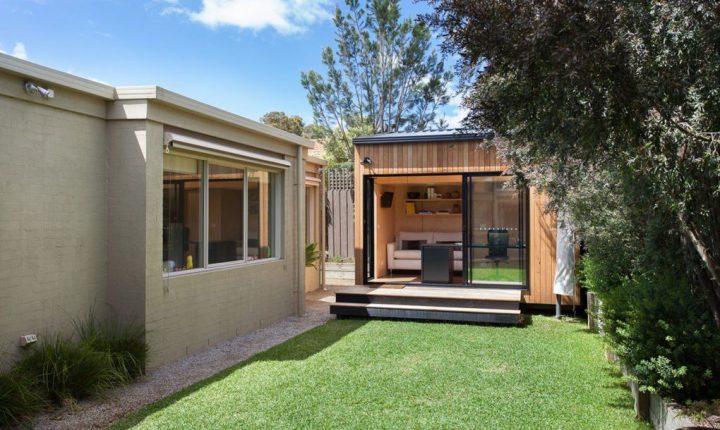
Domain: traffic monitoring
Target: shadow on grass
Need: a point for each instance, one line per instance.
(298, 348)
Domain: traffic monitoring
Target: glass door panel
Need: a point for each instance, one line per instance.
(496, 232)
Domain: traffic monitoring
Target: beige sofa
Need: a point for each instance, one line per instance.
(404, 253)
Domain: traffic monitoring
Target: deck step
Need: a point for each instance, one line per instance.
(441, 313)
(509, 295)
(498, 306)
(429, 308)
(433, 297)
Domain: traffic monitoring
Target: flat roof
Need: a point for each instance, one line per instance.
(16, 66)
(425, 136)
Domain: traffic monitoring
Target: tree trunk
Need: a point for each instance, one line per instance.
(709, 275)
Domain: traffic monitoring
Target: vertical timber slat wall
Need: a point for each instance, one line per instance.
(340, 208)
(458, 157)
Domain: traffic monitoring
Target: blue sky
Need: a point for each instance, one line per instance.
(244, 56)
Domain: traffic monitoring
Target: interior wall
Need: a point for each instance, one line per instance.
(405, 222)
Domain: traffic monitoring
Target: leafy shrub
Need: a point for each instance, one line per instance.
(312, 255)
(19, 398)
(124, 344)
(66, 369)
(660, 327)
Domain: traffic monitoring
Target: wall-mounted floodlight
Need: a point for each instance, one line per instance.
(33, 88)
(366, 161)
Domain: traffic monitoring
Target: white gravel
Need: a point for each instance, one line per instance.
(101, 412)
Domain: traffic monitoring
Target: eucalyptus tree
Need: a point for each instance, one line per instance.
(382, 76)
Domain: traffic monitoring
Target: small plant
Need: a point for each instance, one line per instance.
(312, 255)
(20, 397)
(124, 344)
(339, 260)
(66, 369)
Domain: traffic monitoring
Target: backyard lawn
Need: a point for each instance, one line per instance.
(387, 374)
(501, 274)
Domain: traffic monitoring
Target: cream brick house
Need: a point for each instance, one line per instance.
(144, 205)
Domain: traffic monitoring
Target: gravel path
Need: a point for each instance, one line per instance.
(161, 382)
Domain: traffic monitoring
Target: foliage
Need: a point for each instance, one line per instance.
(124, 344)
(66, 369)
(411, 375)
(59, 368)
(312, 255)
(619, 89)
(338, 145)
(19, 398)
(292, 124)
(660, 329)
(339, 259)
(607, 107)
(383, 74)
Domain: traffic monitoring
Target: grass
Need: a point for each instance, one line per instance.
(502, 274)
(387, 374)
(20, 398)
(58, 369)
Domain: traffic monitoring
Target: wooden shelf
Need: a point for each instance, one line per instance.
(440, 214)
(433, 200)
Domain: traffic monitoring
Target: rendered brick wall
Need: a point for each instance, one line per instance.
(189, 313)
(81, 229)
(52, 219)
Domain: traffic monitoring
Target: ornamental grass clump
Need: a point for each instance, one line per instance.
(101, 355)
(124, 344)
(20, 397)
(65, 369)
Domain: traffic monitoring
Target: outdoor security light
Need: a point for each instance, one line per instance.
(33, 88)
(366, 161)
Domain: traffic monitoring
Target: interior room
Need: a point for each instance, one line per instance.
(413, 212)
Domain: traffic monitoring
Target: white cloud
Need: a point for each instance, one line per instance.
(18, 51)
(285, 16)
(458, 111)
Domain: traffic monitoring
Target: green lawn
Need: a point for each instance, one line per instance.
(386, 374)
(502, 274)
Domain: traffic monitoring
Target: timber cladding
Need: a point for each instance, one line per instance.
(418, 158)
(428, 157)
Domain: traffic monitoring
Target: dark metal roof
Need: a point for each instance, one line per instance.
(425, 136)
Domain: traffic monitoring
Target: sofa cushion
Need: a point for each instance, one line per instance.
(427, 236)
(404, 254)
(447, 237)
(414, 245)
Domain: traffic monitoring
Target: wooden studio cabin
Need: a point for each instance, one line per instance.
(441, 234)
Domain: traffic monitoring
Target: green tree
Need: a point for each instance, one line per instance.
(383, 75)
(292, 124)
(615, 95)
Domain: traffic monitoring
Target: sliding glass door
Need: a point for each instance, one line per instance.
(495, 232)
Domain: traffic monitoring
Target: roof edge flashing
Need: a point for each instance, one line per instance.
(417, 137)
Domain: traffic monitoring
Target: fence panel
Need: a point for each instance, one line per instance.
(340, 213)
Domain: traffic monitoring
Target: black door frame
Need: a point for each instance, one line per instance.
(523, 222)
(368, 224)
(368, 221)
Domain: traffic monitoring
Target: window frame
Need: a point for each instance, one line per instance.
(277, 200)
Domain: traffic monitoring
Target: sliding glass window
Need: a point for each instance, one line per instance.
(182, 226)
(262, 214)
(236, 208)
(225, 225)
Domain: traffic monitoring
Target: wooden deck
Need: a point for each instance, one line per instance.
(483, 305)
